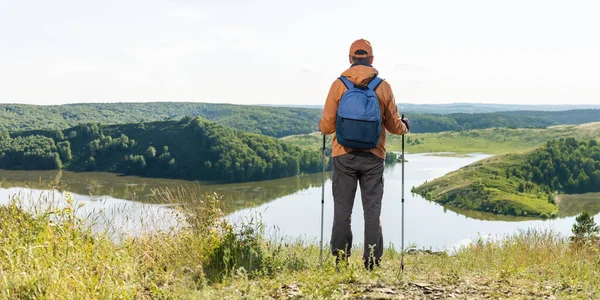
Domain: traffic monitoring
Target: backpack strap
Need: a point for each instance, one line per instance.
(347, 82)
(375, 82)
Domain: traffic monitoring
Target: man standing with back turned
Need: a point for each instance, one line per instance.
(359, 117)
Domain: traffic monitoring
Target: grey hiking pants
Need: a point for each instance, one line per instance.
(348, 169)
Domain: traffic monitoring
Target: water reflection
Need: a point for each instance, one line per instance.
(235, 196)
(428, 224)
(117, 218)
(572, 205)
(293, 205)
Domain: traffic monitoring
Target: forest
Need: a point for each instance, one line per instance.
(267, 120)
(191, 148)
(264, 120)
(563, 165)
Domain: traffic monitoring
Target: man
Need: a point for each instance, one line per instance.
(359, 165)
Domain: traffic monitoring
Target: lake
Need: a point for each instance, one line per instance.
(427, 224)
(289, 207)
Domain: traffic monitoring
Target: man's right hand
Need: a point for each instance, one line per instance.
(406, 122)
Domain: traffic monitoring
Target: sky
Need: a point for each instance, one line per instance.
(289, 52)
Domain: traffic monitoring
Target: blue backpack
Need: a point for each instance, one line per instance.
(358, 121)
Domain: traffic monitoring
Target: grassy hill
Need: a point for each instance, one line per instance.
(191, 148)
(491, 140)
(483, 186)
(267, 120)
(521, 184)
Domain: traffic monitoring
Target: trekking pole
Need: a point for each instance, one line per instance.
(322, 202)
(402, 263)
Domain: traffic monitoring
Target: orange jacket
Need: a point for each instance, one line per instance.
(361, 75)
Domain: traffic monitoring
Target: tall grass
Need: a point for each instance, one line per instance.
(53, 254)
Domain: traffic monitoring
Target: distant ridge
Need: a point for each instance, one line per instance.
(465, 107)
(274, 121)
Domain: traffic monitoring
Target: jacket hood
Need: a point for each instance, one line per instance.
(360, 75)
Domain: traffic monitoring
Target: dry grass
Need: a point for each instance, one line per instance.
(53, 255)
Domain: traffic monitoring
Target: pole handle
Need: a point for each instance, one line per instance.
(323, 143)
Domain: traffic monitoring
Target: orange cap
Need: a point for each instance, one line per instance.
(361, 44)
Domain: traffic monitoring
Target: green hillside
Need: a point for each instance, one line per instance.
(574, 116)
(267, 120)
(191, 148)
(521, 184)
(271, 121)
(491, 140)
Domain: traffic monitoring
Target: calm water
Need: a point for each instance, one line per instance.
(427, 224)
(290, 207)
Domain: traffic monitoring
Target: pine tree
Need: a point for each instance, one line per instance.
(584, 228)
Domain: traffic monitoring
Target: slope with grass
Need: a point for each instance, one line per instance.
(191, 148)
(493, 140)
(484, 186)
(521, 184)
(489, 141)
(52, 255)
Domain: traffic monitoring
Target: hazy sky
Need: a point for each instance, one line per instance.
(289, 52)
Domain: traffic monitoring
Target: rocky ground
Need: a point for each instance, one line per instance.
(476, 289)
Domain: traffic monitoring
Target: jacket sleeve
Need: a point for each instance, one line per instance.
(327, 123)
(391, 116)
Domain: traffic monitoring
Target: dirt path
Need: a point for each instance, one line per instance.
(422, 290)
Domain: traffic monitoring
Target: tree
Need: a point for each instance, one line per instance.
(584, 228)
(150, 153)
(551, 199)
(537, 175)
(59, 135)
(91, 164)
(64, 149)
(124, 141)
(135, 164)
(583, 180)
(56, 163)
(172, 166)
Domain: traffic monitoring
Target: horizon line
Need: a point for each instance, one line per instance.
(299, 105)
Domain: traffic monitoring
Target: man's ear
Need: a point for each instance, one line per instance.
(371, 60)
(350, 59)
